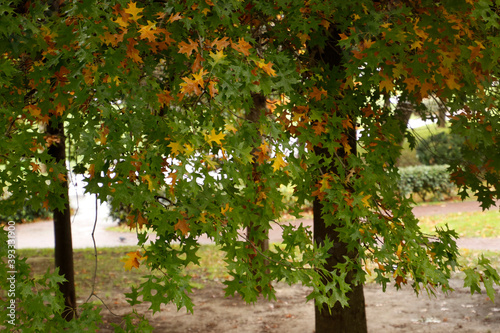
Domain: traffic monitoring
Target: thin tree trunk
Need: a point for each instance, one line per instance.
(259, 104)
(62, 229)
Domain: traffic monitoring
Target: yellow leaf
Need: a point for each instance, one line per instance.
(400, 249)
(366, 201)
(267, 68)
(202, 218)
(148, 179)
(225, 209)
(218, 56)
(303, 37)
(230, 128)
(387, 84)
(278, 162)
(452, 83)
(133, 11)
(33, 110)
(176, 148)
(132, 260)
(91, 170)
(213, 137)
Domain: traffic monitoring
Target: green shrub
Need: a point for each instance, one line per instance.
(426, 180)
(27, 214)
(439, 149)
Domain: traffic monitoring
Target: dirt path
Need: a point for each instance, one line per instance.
(388, 312)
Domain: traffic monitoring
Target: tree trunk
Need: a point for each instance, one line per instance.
(351, 319)
(62, 229)
(259, 104)
(441, 115)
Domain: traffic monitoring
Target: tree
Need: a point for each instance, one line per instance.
(158, 103)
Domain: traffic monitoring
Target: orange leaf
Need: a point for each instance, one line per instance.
(318, 128)
(35, 167)
(267, 68)
(132, 260)
(61, 76)
(183, 226)
(242, 46)
(148, 31)
(212, 89)
(186, 48)
(141, 221)
(411, 82)
(174, 17)
(316, 93)
(164, 98)
(221, 44)
(132, 52)
(226, 209)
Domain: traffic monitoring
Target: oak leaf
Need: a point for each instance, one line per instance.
(316, 93)
(183, 226)
(278, 162)
(214, 137)
(242, 46)
(186, 48)
(133, 11)
(132, 261)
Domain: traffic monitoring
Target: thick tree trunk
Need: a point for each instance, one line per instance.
(62, 230)
(351, 319)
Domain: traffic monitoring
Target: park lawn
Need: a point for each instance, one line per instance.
(466, 224)
(111, 275)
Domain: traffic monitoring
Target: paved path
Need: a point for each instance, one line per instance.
(41, 234)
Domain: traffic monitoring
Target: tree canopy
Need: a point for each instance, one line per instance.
(194, 113)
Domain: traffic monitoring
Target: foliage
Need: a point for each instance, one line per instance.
(26, 214)
(195, 113)
(38, 301)
(439, 149)
(426, 180)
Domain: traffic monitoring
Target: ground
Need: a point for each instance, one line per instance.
(392, 311)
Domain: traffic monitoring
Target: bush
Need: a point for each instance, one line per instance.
(27, 214)
(426, 180)
(440, 149)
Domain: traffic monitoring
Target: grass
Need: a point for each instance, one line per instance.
(111, 275)
(467, 225)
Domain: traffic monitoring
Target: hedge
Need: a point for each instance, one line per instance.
(426, 180)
